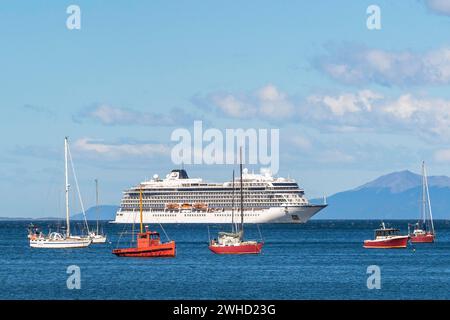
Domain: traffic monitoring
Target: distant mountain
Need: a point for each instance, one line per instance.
(105, 212)
(404, 180)
(392, 196)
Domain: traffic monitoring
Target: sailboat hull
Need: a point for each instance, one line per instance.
(243, 248)
(59, 244)
(167, 249)
(398, 242)
(99, 240)
(426, 238)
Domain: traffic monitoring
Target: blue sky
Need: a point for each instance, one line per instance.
(351, 103)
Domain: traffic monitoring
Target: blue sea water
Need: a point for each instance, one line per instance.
(317, 260)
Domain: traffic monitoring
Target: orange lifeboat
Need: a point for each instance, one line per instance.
(200, 206)
(173, 206)
(186, 206)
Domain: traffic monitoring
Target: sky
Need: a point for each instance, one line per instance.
(351, 103)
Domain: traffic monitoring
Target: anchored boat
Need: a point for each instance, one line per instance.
(423, 231)
(97, 236)
(148, 244)
(387, 238)
(233, 242)
(55, 239)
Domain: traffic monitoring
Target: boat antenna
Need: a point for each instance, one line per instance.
(242, 194)
(232, 208)
(140, 208)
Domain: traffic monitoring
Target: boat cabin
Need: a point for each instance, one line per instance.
(385, 232)
(148, 239)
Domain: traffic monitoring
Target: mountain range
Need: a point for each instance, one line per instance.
(392, 196)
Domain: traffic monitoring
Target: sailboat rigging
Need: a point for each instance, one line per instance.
(233, 242)
(97, 236)
(424, 228)
(56, 239)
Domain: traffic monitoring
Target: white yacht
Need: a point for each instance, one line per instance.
(56, 240)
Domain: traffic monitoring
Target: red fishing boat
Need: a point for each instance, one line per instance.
(387, 238)
(233, 242)
(148, 244)
(423, 231)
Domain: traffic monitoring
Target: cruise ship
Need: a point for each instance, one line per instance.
(180, 199)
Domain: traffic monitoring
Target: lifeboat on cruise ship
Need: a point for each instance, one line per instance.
(387, 238)
(186, 206)
(172, 206)
(200, 206)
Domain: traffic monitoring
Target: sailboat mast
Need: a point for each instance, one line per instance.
(96, 201)
(424, 203)
(242, 194)
(140, 208)
(232, 208)
(67, 188)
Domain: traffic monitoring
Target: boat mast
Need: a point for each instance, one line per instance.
(428, 197)
(233, 227)
(140, 207)
(242, 194)
(96, 201)
(67, 188)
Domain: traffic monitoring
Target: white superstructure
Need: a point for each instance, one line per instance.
(180, 199)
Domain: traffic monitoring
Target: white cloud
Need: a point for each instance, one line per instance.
(358, 66)
(352, 112)
(300, 142)
(267, 103)
(110, 115)
(347, 102)
(335, 156)
(439, 6)
(101, 149)
(442, 155)
(360, 111)
(234, 107)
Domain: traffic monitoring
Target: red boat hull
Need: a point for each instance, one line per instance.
(392, 243)
(161, 250)
(239, 249)
(426, 238)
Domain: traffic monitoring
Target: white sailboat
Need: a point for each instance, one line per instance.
(55, 239)
(97, 236)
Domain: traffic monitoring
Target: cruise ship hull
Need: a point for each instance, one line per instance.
(288, 214)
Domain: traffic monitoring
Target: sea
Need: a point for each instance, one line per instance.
(322, 259)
